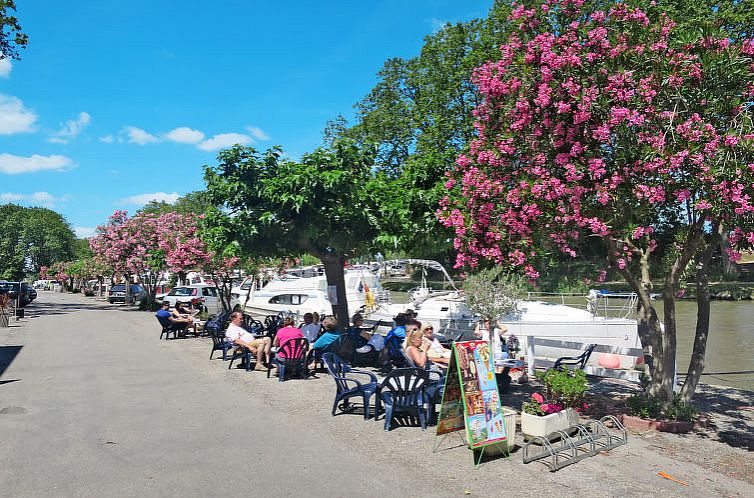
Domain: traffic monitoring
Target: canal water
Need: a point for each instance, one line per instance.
(730, 346)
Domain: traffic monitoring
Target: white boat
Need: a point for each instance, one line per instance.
(548, 326)
(305, 290)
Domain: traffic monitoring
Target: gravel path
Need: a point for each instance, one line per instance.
(91, 404)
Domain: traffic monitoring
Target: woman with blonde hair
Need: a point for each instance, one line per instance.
(435, 352)
(416, 346)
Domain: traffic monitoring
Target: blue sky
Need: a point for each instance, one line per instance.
(116, 102)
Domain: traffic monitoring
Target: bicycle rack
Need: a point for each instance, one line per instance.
(584, 440)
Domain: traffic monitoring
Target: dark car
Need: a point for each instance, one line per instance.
(14, 289)
(117, 293)
(29, 292)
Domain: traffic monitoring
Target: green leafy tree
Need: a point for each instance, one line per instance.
(31, 238)
(272, 206)
(419, 115)
(11, 36)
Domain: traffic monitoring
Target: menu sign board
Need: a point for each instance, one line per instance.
(471, 398)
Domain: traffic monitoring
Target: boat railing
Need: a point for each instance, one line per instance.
(601, 305)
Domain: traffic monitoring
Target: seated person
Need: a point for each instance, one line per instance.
(416, 347)
(359, 337)
(435, 351)
(285, 334)
(171, 321)
(399, 330)
(240, 337)
(181, 312)
(309, 328)
(326, 340)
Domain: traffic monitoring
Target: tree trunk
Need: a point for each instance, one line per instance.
(730, 268)
(335, 274)
(662, 381)
(696, 363)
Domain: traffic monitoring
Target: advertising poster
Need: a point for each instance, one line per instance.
(481, 401)
(451, 417)
(471, 398)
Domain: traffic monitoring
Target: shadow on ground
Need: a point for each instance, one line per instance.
(7, 355)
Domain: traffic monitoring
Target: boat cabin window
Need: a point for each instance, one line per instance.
(289, 299)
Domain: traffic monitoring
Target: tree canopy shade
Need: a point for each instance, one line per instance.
(11, 36)
(32, 237)
(321, 205)
(605, 120)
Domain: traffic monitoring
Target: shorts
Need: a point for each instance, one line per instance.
(256, 343)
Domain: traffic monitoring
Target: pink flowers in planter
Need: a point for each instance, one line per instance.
(539, 406)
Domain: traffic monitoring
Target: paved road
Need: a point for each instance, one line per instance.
(93, 405)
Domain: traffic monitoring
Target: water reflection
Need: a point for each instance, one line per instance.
(729, 346)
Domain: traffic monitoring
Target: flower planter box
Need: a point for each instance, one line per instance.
(534, 425)
(642, 424)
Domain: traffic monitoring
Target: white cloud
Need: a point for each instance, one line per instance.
(71, 129)
(139, 136)
(107, 139)
(14, 165)
(225, 140)
(5, 67)
(257, 133)
(84, 232)
(14, 117)
(36, 199)
(141, 199)
(185, 135)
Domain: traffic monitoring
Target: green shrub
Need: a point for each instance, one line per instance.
(650, 407)
(566, 388)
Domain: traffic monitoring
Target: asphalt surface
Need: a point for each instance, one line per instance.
(92, 404)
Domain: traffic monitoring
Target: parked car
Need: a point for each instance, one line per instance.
(117, 293)
(198, 295)
(29, 291)
(15, 292)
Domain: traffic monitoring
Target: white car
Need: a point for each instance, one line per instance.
(197, 295)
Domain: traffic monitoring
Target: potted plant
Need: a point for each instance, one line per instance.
(4, 304)
(558, 409)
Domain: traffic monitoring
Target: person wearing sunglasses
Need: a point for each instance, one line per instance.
(435, 351)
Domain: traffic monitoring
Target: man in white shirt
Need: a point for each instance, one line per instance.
(240, 337)
(309, 328)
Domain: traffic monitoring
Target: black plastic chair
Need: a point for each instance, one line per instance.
(394, 347)
(217, 324)
(402, 390)
(316, 355)
(220, 343)
(295, 360)
(169, 327)
(347, 386)
(252, 326)
(247, 357)
(579, 362)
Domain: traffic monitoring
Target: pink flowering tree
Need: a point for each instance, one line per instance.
(150, 244)
(611, 124)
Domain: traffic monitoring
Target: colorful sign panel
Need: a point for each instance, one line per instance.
(471, 398)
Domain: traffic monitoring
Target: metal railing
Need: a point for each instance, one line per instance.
(612, 305)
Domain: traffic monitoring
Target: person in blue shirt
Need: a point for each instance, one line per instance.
(328, 337)
(399, 331)
(168, 320)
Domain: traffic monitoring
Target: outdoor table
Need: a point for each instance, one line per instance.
(510, 363)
